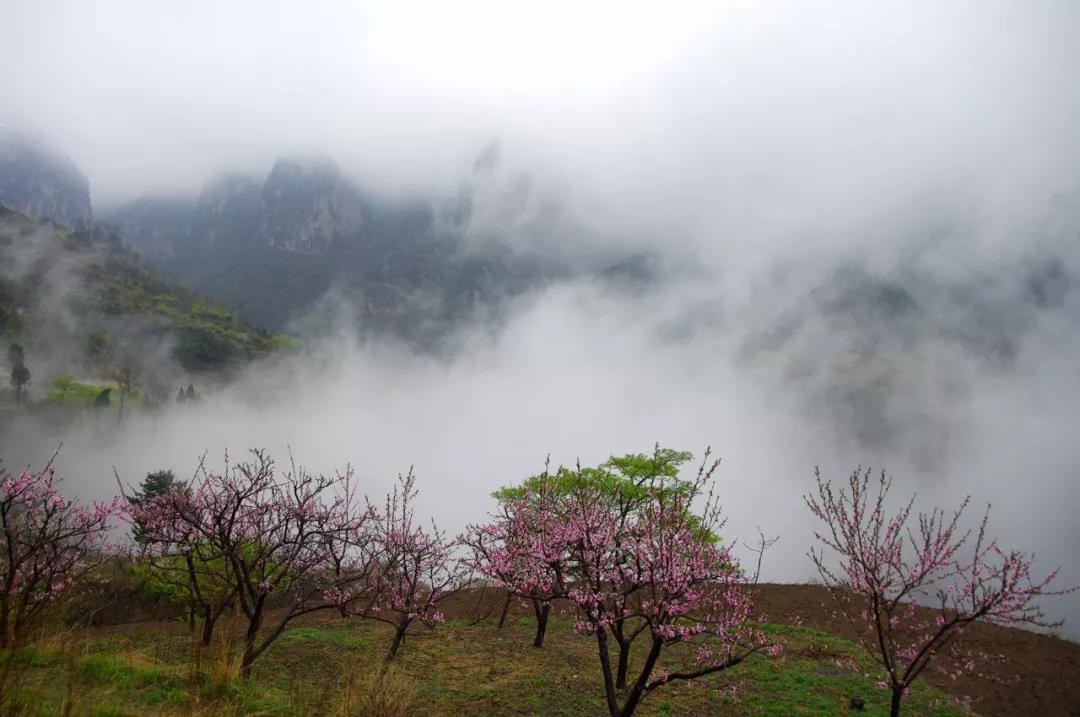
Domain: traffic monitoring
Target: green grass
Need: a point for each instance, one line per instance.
(456, 669)
(68, 391)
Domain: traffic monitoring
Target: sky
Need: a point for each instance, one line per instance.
(767, 143)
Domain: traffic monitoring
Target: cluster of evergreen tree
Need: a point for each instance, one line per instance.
(185, 395)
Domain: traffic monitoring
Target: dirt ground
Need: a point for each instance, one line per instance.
(1039, 675)
(1048, 667)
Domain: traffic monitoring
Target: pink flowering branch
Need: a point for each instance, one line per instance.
(297, 539)
(640, 561)
(416, 570)
(889, 564)
(519, 549)
(49, 543)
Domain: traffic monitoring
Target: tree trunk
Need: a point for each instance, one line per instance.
(605, 668)
(894, 707)
(624, 663)
(638, 692)
(254, 623)
(624, 653)
(209, 620)
(399, 635)
(505, 609)
(541, 624)
(5, 636)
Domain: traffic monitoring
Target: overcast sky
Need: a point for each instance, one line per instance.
(701, 115)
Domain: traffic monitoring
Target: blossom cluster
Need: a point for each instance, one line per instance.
(48, 543)
(909, 584)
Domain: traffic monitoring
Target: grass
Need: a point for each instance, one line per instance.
(69, 391)
(328, 666)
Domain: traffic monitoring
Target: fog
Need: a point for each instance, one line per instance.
(760, 148)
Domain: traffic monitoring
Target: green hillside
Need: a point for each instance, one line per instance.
(82, 305)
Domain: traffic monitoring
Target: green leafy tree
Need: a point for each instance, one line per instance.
(625, 485)
(155, 484)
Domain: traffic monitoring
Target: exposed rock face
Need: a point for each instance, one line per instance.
(156, 227)
(229, 210)
(305, 245)
(42, 184)
(308, 208)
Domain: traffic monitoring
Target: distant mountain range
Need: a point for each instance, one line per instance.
(305, 249)
(305, 244)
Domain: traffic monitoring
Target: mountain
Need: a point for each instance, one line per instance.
(80, 303)
(308, 208)
(305, 244)
(42, 184)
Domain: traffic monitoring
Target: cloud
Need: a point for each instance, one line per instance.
(582, 372)
(779, 149)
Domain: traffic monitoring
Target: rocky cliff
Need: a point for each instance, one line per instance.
(308, 207)
(42, 184)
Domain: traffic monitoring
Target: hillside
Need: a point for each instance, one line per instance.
(81, 304)
(325, 666)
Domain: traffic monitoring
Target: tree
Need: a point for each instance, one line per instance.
(622, 485)
(889, 564)
(20, 375)
(270, 530)
(175, 558)
(16, 356)
(640, 562)
(126, 376)
(417, 569)
(48, 544)
(155, 484)
(352, 558)
(515, 550)
(20, 379)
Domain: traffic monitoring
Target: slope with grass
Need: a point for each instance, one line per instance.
(327, 666)
(82, 305)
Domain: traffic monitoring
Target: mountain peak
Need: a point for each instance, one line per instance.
(42, 183)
